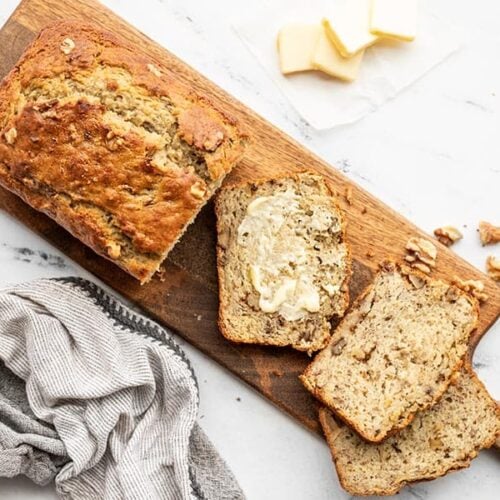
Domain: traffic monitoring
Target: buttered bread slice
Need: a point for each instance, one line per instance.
(394, 353)
(282, 260)
(439, 440)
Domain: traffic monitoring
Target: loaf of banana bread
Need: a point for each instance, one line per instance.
(110, 144)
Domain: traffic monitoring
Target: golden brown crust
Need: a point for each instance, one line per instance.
(224, 294)
(79, 142)
(320, 396)
(324, 416)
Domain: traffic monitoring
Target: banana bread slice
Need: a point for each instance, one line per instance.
(439, 440)
(283, 262)
(109, 143)
(394, 353)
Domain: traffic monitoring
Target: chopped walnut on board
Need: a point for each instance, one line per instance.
(447, 235)
(421, 254)
(493, 267)
(489, 233)
(473, 287)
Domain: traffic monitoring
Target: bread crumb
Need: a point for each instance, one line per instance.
(364, 210)
(370, 254)
(447, 235)
(488, 233)
(277, 373)
(161, 273)
(348, 195)
(493, 267)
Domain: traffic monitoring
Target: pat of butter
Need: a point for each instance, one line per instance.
(349, 27)
(394, 19)
(296, 43)
(327, 58)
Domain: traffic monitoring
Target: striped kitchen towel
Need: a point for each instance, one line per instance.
(100, 399)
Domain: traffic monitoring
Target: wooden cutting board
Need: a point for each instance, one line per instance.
(186, 300)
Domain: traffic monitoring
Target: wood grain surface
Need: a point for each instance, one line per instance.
(186, 298)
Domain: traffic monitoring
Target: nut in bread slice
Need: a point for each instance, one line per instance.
(394, 353)
(282, 260)
(444, 438)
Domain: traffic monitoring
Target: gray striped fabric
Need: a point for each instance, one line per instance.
(100, 399)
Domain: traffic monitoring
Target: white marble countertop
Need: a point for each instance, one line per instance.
(433, 154)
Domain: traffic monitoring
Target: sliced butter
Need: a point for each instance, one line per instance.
(327, 58)
(394, 19)
(349, 27)
(296, 43)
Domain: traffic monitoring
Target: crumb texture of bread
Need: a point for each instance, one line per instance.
(439, 440)
(108, 143)
(283, 262)
(394, 353)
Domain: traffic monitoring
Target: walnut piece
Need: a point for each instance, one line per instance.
(11, 136)
(422, 267)
(198, 190)
(339, 345)
(452, 294)
(416, 281)
(447, 235)
(113, 249)
(493, 267)
(160, 160)
(67, 46)
(154, 70)
(489, 233)
(472, 287)
(421, 255)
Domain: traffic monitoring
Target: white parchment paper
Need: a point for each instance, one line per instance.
(387, 67)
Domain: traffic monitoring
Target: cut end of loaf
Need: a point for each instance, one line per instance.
(105, 141)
